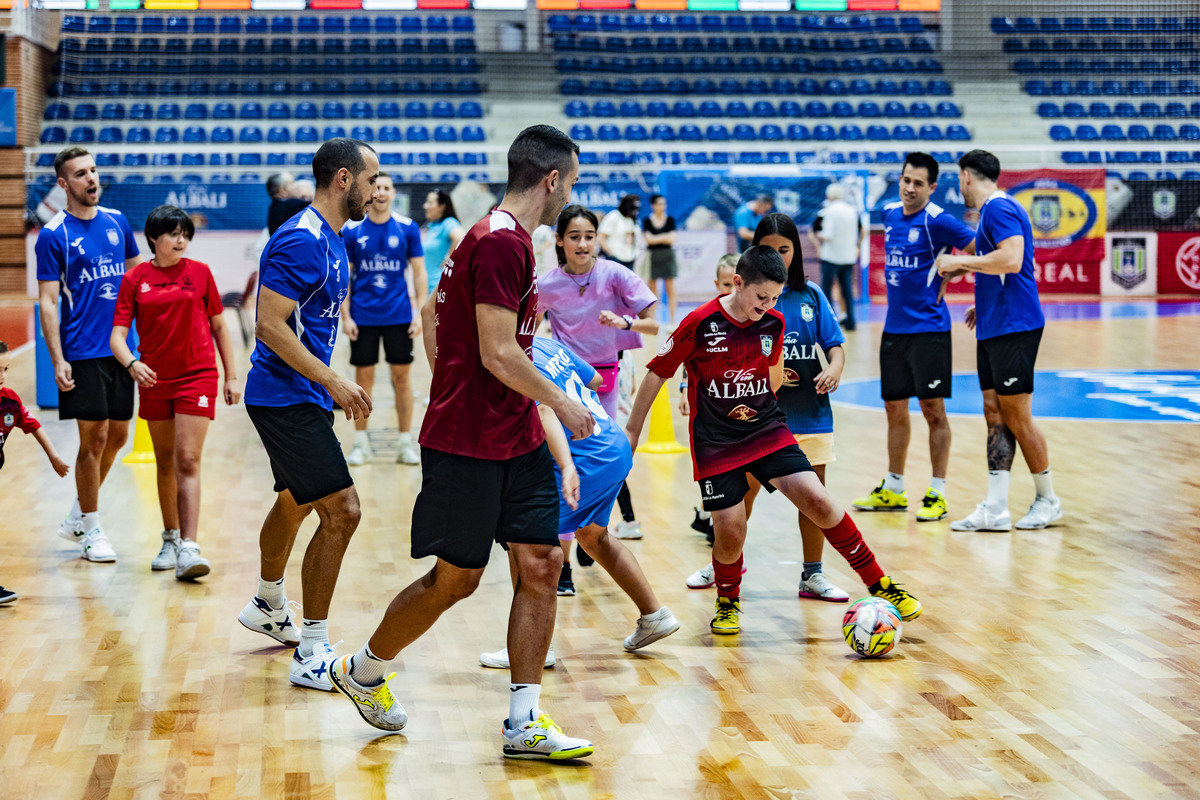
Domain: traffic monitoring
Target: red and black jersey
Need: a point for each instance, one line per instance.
(735, 418)
(13, 415)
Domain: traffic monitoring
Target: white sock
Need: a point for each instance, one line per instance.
(1043, 484)
(893, 482)
(91, 521)
(272, 592)
(404, 437)
(705, 515)
(172, 534)
(522, 701)
(366, 668)
(938, 485)
(997, 496)
(360, 439)
(312, 633)
(76, 511)
(657, 615)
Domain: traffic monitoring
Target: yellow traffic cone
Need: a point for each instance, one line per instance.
(143, 448)
(662, 431)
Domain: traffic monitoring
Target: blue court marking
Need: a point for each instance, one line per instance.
(1119, 395)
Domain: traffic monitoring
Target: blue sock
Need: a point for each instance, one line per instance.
(810, 568)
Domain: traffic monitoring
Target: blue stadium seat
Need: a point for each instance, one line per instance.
(1073, 110)
(305, 110)
(1164, 133)
(1152, 110)
(824, 132)
(445, 133)
(307, 133)
(958, 133)
(850, 132)
(278, 134)
(636, 133)
(333, 132)
(166, 134)
(110, 111)
(390, 133)
(1061, 133)
(416, 133)
(608, 132)
(744, 133)
(798, 133)
(138, 134)
(920, 109)
(1086, 133)
(1125, 110)
(1112, 133)
(110, 134)
(716, 133)
(223, 111)
(222, 134)
(904, 133)
(333, 110)
(878, 133)
(363, 132)
(141, 111)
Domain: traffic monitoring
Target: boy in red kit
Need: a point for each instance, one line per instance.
(13, 415)
(178, 311)
(731, 347)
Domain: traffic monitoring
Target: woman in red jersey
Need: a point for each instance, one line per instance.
(178, 311)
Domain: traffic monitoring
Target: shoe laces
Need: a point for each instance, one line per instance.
(893, 591)
(726, 612)
(931, 500)
(383, 695)
(544, 721)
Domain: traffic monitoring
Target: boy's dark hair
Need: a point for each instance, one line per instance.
(982, 163)
(564, 221)
(535, 152)
(336, 154)
(922, 161)
(3, 348)
(761, 264)
(443, 199)
(777, 224)
(66, 155)
(168, 219)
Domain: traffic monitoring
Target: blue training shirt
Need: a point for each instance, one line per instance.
(87, 257)
(1005, 303)
(808, 321)
(378, 255)
(912, 244)
(305, 261)
(603, 459)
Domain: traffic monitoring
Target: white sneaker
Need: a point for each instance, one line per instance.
(409, 453)
(984, 519)
(71, 528)
(628, 530)
(1041, 513)
(818, 587)
(96, 547)
(651, 628)
(499, 659)
(539, 738)
(359, 455)
(375, 704)
(704, 578)
(166, 556)
(277, 623)
(313, 672)
(189, 564)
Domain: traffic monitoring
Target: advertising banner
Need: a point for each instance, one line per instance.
(1154, 205)
(1179, 263)
(1131, 268)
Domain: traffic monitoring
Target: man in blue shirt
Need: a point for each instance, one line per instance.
(82, 254)
(747, 217)
(380, 248)
(1008, 323)
(304, 277)
(914, 353)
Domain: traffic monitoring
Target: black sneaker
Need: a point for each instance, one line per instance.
(566, 587)
(701, 525)
(7, 596)
(584, 559)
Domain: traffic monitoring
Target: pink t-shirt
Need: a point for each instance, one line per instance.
(575, 318)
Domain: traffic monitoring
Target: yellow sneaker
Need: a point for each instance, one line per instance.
(882, 499)
(908, 606)
(725, 621)
(933, 507)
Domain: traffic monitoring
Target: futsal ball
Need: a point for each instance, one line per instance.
(871, 627)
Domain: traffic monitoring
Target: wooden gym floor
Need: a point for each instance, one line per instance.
(1048, 664)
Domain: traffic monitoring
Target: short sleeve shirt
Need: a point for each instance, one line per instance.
(745, 217)
(649, 227)
(87, 257)
(378, 256)
(471, 412)
(13, 414)
(1005, 303)
(735, 417)
(810, 322)
(306, 262)
(912, 244)
(575, 317)
(622, 235)
(172, 307)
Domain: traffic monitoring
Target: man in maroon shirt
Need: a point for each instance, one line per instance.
(488, 474)
(731, 347)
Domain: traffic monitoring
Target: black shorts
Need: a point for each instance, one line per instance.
(306, 457)
(914, 365)
(1006, 362)
(728, 489)
(397, 345)
(467, 503)
(103, 390)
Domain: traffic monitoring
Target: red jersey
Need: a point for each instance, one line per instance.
(172, 306)
(13, 415)
(735, 418)
(471, 412)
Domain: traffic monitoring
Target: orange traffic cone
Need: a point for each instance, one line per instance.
(143, 448)
(662, 431)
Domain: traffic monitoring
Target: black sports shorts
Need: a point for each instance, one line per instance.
(914, 365)
(1006, 362)
(727, 489)
(397, 345)
(306, 456)
(103, 390)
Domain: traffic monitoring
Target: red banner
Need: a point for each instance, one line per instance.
(1178, 263)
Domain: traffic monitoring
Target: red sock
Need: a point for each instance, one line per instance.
(846, 538)
(729, 578)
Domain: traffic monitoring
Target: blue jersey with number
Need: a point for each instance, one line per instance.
(912, 244)
(1005, 303)
(87, 258)
(378, 257)
(304, 261)
(604, 458)
(809, 321)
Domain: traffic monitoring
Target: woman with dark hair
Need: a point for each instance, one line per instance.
(659, 230)
(618, 231)
(441, 234)
(178, 312)
(809, 322)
